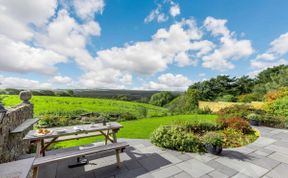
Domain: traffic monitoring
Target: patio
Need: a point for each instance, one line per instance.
(267, 157)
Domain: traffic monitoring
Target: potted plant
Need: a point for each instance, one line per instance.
(213, 142)
(254, 119)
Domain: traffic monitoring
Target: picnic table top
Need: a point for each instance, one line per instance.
(70, 130)
(19, 169)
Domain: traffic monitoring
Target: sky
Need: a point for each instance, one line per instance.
(143, 45)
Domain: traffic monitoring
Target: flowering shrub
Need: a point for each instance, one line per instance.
(214, 138)
(236, 123)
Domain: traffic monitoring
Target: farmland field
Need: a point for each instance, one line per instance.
(44, 104)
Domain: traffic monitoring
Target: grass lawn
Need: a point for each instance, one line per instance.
(141, 128)
(44, 104)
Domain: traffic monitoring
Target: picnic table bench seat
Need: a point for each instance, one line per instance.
(81, 152)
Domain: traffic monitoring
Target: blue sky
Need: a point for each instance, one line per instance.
(153, 45)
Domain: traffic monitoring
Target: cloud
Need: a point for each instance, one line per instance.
(86, 9)
(170, 82)
(60, 79)
(158, 14)
(272, 57)
(167, 46)
(174, 10)
(108, 78)
(19, 57)
(280, 45)
(22, 83)
(230, 48)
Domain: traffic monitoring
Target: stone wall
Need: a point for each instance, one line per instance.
(13, 145)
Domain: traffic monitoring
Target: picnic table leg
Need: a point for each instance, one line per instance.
(117, 151)
(38, 154)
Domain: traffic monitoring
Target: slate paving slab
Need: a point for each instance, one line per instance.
(267, 157)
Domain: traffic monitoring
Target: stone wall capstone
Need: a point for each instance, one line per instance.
(13, 145)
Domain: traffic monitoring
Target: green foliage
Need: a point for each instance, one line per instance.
(279, 107)
(235, 138)
(197, 127)
(237, 111)
(254, 117)
(43, 104)
(175, 138)
(161, 98)
(236, 123)
(274, 121)
(223, 85)
(186, 103)
(214, 138)
(248, 98)
(227, 98)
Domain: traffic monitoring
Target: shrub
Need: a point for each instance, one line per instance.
(274, 121)
(161, 98)
(232, 138)
(236, 123)
(248, 98)
(227, 98)
(127, 116)
(237, 111)
(175, 138)
(276, 94)
(206, 110)
(214, 138)
(253, 116)
(197, 127)
(278, 107)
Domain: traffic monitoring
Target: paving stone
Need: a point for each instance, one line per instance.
(205, 176)
(279, 157)
(276, 148)
(173, 159)
(280, 171)
(203, 157)
(154, 162)
(217, 174)
(87, 175)
(264, 141)
(263, 161)
(183, 174)
(244, 150)
(221, 168)
(244, 167)
(184, 157)
(133, 164)
(240, 175)
(167, 172)
(48, 170)
(195, 168)
(132, 173)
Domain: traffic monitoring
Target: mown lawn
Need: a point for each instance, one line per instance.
(142, 128)
(44, 104)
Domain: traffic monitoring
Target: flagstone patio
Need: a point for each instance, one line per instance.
(267, 157)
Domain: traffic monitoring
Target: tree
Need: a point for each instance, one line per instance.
(161, 98)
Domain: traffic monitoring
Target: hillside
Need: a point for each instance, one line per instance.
(52, 103)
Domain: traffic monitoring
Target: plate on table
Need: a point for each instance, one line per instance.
(43, 132)
(61, 131)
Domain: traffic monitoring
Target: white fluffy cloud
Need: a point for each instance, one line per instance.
(230, 47)
(22, 83)
(19, 57)
(149, 57)
(273, 56)
(158, 14)
(86, 9)
(60, 79)
(170, 82)
(174, 10)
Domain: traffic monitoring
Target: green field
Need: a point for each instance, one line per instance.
(43, 104)
(142, 128)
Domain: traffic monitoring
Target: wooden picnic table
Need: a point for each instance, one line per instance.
(16, 169)
(111, 128)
